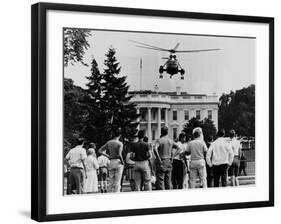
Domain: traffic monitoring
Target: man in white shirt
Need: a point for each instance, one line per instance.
(75, 158)
(220, 156)
(236, 148)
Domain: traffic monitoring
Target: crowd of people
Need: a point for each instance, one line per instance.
(167, 164)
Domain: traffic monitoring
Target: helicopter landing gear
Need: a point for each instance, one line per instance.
(171, 76)
(161, 69)
(182, 77)
(161, 76)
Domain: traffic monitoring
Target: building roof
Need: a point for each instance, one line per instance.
(164, 93)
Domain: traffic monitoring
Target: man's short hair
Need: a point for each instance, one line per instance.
(221, 132)
(145, 139)
(117, 132)
(80, 141)
(232, 133)
(164, 131)
(209, 138)
(181, 136)
(92, 145)
(141, 134)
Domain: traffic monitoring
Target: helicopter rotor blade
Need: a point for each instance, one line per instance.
(156, 49)
(151, 46)
(176, 47)
(194, 51)
(165, 58)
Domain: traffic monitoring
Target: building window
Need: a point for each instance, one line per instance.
(175, 115)
(175, 133)
(163, 115)
(142, 114)
(186, 115)
(153, 134)
(198, 114)
(153, 115)
(210, 115)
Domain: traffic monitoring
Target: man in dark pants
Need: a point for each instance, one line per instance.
(210, 170)
(163, 151)
(178, 163)
(220, 156)
(75, 158)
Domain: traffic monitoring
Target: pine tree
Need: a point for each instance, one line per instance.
(93, 129)
(119, 111)
(94, 84)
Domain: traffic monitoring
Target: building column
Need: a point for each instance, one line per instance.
(192, 113)
(138, 120)
(149, 125)
(204, 113)
(166, 117)
(159, 121)
(215, 117)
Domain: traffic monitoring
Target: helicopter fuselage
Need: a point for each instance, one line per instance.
(172, 66)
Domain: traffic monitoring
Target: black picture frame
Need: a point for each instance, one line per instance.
(39, 107)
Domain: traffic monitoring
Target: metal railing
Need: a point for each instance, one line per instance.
(247, 162)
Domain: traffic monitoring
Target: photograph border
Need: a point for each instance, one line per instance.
(39, 109)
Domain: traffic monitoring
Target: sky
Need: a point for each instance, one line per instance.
(215, 72)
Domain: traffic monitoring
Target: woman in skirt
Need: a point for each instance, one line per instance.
(91, 163)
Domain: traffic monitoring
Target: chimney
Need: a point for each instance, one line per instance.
(178, 89)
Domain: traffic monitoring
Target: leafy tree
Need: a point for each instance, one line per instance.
(75, 112)
(75, 44)
(207, 125)
(237, 111)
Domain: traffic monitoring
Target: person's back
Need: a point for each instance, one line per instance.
(75, 156)
(140, 149)
(91, 163)
(165, 147)
(103, 161)
(76, 159)
(113, 148)
(197, 149)
(142, 172)
(235, 145)
(220, 155)
(220, 151)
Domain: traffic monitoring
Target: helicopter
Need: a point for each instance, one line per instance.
(172, 65)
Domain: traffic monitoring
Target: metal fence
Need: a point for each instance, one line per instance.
(247, 162)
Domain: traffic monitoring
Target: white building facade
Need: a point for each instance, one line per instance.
(172, 109)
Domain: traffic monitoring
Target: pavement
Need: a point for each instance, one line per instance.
(243, 181)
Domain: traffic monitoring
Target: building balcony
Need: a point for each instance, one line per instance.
(171, 99)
